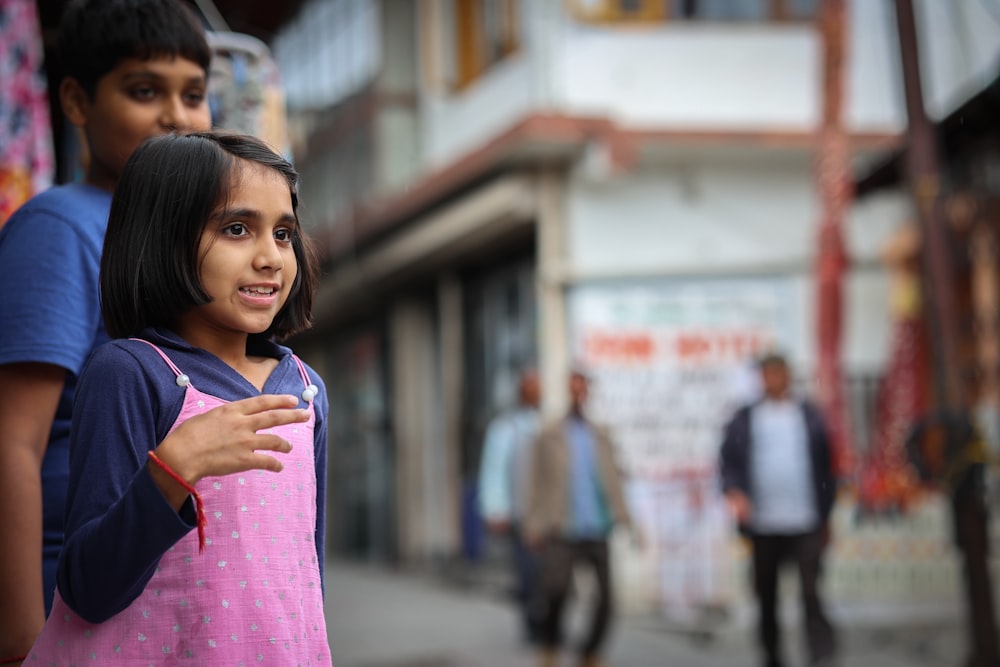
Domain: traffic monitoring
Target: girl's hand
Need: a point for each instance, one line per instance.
(225, 440)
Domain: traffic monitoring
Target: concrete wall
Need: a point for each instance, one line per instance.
(690, 76)
(699, 217)
(454, 123)
(718, 76)
(718, 218)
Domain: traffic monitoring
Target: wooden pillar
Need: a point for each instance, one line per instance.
(986, 312)
(969, 513)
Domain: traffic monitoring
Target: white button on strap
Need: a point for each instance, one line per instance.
(310, 393)
(183, 380)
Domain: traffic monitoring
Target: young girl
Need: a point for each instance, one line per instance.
(198, 455)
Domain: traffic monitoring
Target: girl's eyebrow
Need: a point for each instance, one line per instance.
(252, 214)
(239, 213)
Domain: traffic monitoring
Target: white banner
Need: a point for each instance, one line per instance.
(670, 361)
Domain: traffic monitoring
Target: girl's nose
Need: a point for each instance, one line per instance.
(268, 255)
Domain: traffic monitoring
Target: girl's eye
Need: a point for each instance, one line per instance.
(283, 235)
(235, 229)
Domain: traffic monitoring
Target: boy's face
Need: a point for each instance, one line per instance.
(137, 100)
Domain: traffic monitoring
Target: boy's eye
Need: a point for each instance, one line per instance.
(235, 229)
(194, 98)
(143, 92)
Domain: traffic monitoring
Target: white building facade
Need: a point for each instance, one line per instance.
(628, 185)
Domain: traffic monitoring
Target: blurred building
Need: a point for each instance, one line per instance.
(631, 185)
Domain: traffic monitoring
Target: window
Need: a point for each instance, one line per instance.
(647, 11)
(329, 51)
(485, 32)
(620, 10)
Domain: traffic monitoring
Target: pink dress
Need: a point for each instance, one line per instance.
(252, 598)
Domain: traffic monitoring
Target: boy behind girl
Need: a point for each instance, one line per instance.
(133, 69)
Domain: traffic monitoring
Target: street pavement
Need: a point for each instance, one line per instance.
(379, 617)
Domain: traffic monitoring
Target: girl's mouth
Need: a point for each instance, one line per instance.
(257, 291)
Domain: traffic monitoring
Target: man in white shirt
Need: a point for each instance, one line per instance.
(778, 482)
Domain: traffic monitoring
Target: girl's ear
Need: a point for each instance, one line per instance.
(75, 102)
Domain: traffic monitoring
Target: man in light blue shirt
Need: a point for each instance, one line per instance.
(589, 517)
(575, 501)
(503, 475)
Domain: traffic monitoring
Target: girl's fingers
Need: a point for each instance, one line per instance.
(265, 462)
(271, 443)
(270, 410)
(265, 402)
(277, 417)
(226, 439)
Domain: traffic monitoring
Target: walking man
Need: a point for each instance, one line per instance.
(575, 498)
(778, 483)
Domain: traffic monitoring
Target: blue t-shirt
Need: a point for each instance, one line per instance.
(127, 401)
(50, 258)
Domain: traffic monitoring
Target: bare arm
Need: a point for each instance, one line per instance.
(29, 396)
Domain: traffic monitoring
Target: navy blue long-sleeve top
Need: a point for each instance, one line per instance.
(118, 523)
(737, 450)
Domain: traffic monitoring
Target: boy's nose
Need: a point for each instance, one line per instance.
(172, 114)
(175, 115)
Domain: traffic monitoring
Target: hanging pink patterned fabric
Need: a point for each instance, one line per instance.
(25, 136)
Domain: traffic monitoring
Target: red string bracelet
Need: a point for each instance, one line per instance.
(198, 504)
(12, 659)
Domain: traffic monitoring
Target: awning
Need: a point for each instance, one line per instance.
(955, 132)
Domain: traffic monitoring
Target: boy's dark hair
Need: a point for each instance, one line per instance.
(169, 188)
(96, 35)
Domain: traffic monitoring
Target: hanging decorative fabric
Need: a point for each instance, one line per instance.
(834, 190)
(26, 161)
(887, 482)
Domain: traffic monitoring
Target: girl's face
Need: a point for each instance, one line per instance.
(247, 263)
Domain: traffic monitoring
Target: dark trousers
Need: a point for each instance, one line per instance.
(769, 552)
(559, 558)
(526, 570)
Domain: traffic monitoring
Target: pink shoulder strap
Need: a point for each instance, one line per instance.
(163, 355)
(302, 371)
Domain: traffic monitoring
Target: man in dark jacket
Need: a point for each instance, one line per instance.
(778, 483)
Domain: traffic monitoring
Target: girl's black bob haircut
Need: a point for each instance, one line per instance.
(169, 188)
